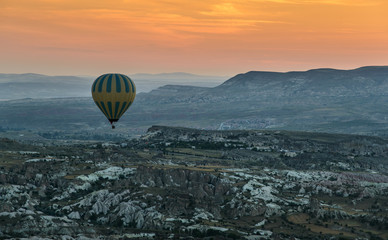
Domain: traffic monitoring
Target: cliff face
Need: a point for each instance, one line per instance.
(191, 189)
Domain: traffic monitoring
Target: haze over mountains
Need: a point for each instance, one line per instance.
(31, 85)
(322, 100)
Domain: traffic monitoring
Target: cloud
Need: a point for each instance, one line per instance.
(223, 9)
(328, 2)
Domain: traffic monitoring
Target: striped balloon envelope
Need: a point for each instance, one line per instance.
(113, 93)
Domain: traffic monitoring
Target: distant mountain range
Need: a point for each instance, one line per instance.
(351, 101)
(31, 85)
(323, 100)
(316, 82)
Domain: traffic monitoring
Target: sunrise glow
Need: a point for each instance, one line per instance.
(74, 37)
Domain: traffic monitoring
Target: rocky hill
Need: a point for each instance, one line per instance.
(317, 82)
(179, 183)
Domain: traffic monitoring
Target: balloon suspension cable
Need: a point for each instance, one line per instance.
(111, 123)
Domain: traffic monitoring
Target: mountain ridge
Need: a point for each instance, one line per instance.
(311, 71)
(335, 101)
(321, 82)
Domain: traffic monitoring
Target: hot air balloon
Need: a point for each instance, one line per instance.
(113, 93)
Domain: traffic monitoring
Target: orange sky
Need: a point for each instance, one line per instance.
(91, 37)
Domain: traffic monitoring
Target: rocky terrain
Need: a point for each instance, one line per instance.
(179, 183)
